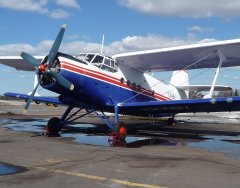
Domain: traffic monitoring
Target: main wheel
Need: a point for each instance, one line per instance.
(121, 129)
(171, 121)
(54, 126)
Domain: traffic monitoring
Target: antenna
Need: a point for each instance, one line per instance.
(102, 44)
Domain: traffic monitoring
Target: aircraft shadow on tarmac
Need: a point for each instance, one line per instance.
(159, 134)
(139, 134)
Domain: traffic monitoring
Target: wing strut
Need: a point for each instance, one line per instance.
(222, 58)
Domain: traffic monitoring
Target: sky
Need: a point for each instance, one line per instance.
(128, 25)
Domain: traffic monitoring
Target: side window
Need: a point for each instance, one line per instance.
(107, 62)
(104, 67)
(116, 66)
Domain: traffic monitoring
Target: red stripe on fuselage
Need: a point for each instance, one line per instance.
(112, 80)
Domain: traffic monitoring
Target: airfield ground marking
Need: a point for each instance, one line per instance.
(96, 178)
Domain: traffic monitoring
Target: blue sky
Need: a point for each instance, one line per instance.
(128, 25)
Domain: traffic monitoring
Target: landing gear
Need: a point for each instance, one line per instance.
(117, 137)
(54, 126)
(171, 121)
(121, 129)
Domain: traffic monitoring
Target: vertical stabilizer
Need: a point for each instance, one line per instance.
(179, 78)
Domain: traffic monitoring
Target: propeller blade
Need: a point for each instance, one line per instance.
(61, 80)
(55, 47)
(30, 59)
(30, 98)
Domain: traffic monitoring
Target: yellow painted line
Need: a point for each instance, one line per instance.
(56, 161)
(127, 183)
(97, 178)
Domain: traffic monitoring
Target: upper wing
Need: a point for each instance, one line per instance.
(18, 63)
(161, 108)
(178, 58)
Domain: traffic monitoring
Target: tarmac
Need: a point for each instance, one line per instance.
(193, 155)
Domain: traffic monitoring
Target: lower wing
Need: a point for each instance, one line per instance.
(205, 87)
(48, 100)
(164, 108)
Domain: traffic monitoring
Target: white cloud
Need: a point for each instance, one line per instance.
(25, 5)
(196, 28)
(68, 3)
(14, 49)
(59, 14)
(136, 43)
(226, 76)
(127, 44)
(7, 70)
(186, 8)
(40, 6)
(24, 76)
(236, 77)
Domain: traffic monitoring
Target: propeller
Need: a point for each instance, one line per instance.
(55, 47)
(30, 98)
(61, 80)
(30, 59)
(47, 68)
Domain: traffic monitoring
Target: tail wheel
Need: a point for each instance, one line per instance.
(121, 129)
(54, 126)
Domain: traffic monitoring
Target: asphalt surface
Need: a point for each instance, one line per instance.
(62, 162)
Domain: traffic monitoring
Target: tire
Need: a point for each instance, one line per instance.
(121, 129)
(54, 126)
(171, 121)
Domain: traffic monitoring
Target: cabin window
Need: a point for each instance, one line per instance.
(122, 80)
(128, 82)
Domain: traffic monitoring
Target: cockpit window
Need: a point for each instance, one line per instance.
(109, 65)
(98, 59)
(89, 57)
(103, 62)
(81, 56)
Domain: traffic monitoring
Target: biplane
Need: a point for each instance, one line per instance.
(121, 84)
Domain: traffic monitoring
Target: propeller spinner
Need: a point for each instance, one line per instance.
(47, 68)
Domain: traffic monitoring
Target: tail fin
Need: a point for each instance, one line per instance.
(179, 78)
